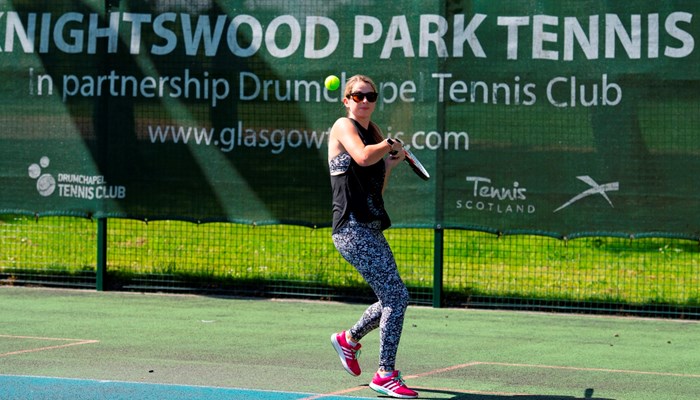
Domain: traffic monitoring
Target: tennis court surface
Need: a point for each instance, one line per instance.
(68, 344)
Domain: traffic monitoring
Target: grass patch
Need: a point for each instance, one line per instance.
(224, 255)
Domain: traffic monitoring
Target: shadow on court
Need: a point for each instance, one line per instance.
(428, 394)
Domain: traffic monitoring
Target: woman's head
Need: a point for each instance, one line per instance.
(360, 97)
(358, 79)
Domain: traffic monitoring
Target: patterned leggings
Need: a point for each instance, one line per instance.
(366, 249)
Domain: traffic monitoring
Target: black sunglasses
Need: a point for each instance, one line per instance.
(358, 97)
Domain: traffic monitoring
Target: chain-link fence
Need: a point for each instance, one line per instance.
(458, 268)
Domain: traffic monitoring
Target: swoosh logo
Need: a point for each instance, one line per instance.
(595, 189)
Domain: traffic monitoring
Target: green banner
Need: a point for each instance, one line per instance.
(561, 118)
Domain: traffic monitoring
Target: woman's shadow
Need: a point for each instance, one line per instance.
(427, 394)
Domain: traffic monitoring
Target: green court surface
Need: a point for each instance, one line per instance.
(87, 345)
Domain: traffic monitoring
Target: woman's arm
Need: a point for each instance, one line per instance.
(345, 133)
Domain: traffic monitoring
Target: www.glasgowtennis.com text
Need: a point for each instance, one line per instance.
(277, 140)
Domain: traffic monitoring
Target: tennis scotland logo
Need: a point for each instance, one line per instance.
(485, 196)
(45, 183)
(69, 185)
(595, 188)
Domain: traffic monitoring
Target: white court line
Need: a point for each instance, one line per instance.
(502, 364)
(619, 371)
(74, 342)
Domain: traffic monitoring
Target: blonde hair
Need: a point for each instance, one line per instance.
(373, 128)
(358, 78)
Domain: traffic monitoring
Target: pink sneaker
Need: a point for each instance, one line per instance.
(347, 353)
(393, 386)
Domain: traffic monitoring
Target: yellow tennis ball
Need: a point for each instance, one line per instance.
(332, 82)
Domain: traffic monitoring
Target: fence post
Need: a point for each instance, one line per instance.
(101, 268)
(102, 131)
(438, 248)
(439, 232)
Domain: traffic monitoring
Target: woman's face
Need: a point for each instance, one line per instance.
(362, 109)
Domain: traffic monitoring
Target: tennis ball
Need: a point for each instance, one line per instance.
(332, 82)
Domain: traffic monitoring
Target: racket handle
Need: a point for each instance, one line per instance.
(391, 143)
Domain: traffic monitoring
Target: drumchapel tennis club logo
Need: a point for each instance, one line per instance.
(69, 185)
(45, 183)
(595, 189)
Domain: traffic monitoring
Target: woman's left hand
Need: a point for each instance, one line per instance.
(393, 160)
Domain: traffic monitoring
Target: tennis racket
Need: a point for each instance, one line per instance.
(416, 165)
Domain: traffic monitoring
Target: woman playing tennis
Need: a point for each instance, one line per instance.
(361, 161)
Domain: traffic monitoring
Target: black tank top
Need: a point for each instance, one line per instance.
(357, 191)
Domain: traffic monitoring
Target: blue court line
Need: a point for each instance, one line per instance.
(13, 387)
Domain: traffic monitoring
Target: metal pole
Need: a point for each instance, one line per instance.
(102, 130)
(101, 268)
(439, 233)
(438, 265)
